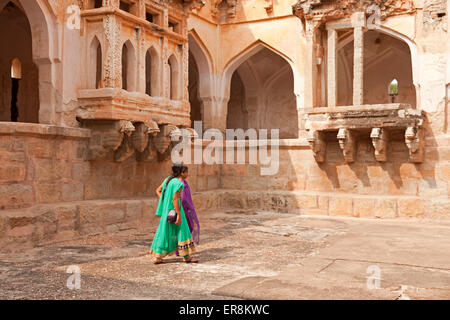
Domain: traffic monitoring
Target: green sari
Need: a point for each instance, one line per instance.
(170, 238)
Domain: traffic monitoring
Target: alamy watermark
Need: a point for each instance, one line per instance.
(74, 281)
(229, 148)
(374, 278)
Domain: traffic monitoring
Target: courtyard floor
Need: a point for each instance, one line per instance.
(247, 255)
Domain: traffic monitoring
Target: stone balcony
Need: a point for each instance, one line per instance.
(119, 104)
(375, 120)
(130, 123)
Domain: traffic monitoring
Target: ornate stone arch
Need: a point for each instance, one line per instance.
(236, 61)
(129, 66)
(153, 72)
(45, 49)
(95, 63)
(174, 74)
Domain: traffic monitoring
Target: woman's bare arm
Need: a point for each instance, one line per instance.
(158, 190)
(176, 205)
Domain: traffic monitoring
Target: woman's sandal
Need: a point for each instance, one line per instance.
(190, 260)
(158, 261)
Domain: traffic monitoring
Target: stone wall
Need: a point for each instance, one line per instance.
(365, 188)
(49, 192)
(44, 164)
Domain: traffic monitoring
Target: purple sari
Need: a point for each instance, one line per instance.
(191, 215)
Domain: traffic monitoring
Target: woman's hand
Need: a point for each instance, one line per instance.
(175, 199)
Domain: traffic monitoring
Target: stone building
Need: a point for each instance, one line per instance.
(93, 91)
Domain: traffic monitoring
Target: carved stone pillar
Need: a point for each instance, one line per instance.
(347, 142)
(113, 63)
(359, 22)
(141, 55)
(415, 142)
(318, 144)
(332, 68)
(215, 111)
(111, 3)
(310, 64)
(379, 138)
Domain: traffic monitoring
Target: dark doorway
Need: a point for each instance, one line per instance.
(14, 94)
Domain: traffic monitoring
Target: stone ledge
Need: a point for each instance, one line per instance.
(37, 129)
(345, 204)
(46, 224)
(119, 104)
(52, 223)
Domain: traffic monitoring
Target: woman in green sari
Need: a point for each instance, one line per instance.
(172, 237)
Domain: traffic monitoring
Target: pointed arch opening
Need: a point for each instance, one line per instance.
(261, 93)
(193, 87)
(152, 73)
(16, 69)
(174, 78)
(96, 64)
(128, 66)
(200, 77)
(385, 58)
(20, 88)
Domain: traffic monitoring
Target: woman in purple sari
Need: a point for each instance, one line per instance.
(189, 209)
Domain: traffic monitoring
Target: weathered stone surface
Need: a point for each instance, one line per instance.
(385, 208)
(15, 194)
(363, 207)
(81, 171)
(72, 191)
(67, 217)
(134, 210)
(411, 207)
(341, 206)
(49, 192)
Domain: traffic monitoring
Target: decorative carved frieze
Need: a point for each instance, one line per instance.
(113, 61)
(120, 139)
(415, 142)
(347, 143)
(318, 144)
(326, 10)
(230, 7)
(379, 138)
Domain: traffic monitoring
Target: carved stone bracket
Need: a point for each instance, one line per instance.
(347, 143)
(163, 141)
(120, 139)
(268, 6)
(231, 7)
(380, 138)
(415, 142)
(378, 120)
(318, 144)
(144, 147)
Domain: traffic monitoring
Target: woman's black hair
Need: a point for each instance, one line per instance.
(177, 170)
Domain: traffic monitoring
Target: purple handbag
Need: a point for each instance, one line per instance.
(172, 216)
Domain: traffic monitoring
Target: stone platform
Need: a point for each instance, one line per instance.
(246, 254)
(46, 224)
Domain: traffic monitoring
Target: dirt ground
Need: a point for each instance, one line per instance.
(247, 255)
